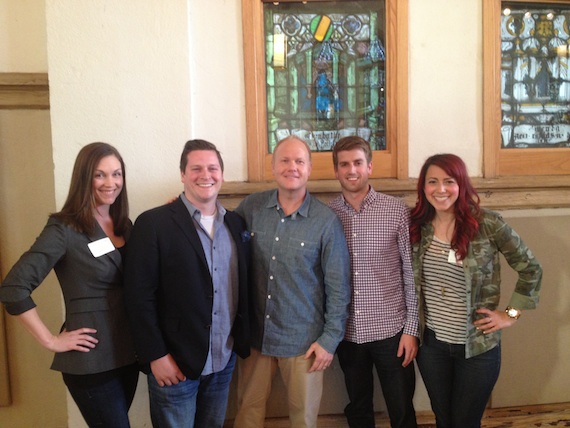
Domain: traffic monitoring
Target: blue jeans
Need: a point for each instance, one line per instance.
(199, 403)
(398, 383)
(458, 387)
(104, 399)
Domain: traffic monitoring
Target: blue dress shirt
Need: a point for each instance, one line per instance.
(301, 275)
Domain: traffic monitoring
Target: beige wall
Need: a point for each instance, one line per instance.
(27, 195)
(535, 367)
(146, 76)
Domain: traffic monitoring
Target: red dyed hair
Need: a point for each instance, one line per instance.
(466, 207)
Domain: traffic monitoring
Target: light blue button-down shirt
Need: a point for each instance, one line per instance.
(301, 275)
(221, 255)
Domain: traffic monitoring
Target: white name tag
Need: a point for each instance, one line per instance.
(101, 247)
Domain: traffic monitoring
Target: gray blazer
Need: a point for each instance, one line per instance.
(92, 289)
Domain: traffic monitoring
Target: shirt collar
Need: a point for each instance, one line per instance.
(195, 212)
(303, 210)
(368, 199)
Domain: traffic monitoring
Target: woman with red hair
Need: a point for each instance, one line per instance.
(456, 246)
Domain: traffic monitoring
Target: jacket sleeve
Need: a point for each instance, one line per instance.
(32, 268)
(523, 261)
(142, 278)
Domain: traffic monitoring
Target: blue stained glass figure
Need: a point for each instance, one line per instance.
(324, 95)
(327, 100)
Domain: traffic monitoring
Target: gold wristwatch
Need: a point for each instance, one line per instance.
(513, 313)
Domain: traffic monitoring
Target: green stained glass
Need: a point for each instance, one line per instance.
(325, 65)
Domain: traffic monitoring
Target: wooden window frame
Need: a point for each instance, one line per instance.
(389, 163)
(498, 162)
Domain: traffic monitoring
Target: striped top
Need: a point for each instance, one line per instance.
(445, 293)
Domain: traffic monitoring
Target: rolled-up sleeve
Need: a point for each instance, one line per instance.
(32, 268)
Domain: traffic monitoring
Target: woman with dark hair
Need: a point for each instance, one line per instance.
(83, 243)
(456, 246)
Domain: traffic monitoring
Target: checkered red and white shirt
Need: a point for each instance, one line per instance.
(384, 300)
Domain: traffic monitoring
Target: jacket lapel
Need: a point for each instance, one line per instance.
(184, 221)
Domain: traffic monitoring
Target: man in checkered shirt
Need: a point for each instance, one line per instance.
(382, 328)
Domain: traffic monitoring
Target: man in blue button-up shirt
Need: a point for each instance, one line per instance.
(186, 288)
(300, 291)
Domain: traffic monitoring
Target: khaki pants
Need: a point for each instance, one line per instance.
(304, 390)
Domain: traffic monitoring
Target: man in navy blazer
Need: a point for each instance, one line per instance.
(186, 282)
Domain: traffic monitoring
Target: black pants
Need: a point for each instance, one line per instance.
(104, 399)
(398, 383)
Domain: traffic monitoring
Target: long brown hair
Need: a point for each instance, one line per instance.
(466, 207)
(78, 208)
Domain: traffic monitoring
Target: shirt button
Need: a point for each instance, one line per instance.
(271, 277)
(357, 292)
(267, 316)
(277, 238)
(302, 244)
(282, 220)
(354, 234)
(273, 258)
(269, 296)
(355, 273)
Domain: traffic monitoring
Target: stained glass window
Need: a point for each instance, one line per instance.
(535, 80)
(325, 72)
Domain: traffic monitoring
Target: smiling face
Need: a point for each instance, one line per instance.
(440, 189)
(291, 165)
(352, 171)
(202, 179)
(107, 181)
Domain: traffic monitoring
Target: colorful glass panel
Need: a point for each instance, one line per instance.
(535, 83)
(325, 69)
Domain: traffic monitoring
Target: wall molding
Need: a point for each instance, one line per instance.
(24, 91)
(496, 193)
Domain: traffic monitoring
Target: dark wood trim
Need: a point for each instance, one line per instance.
(24, 91)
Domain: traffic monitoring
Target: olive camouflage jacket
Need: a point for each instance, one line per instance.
(483, 276)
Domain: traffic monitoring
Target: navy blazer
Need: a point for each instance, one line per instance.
(92, 289)
(169, 289)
